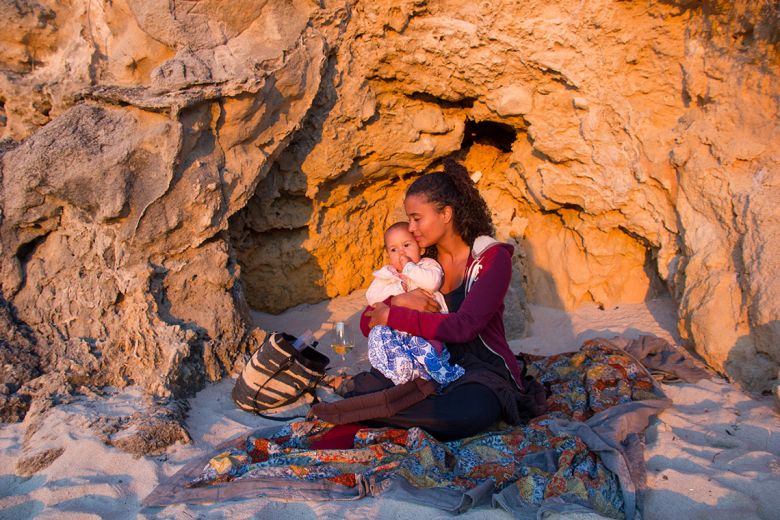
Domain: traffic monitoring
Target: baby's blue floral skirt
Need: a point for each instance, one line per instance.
(401, 357)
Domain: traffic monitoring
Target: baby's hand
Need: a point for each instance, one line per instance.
(403, 260)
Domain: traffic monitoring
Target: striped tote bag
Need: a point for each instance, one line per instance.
(278, 374)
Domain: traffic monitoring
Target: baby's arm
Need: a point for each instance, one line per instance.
(384, 285)
(426, 274)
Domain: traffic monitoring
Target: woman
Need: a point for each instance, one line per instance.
(449, 218)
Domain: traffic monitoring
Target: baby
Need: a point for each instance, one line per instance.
(399, 356)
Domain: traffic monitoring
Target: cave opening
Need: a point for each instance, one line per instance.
(499, 135)
(268, 237)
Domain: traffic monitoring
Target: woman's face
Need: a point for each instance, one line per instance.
(426, 223)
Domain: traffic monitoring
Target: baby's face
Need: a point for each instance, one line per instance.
(399, 243)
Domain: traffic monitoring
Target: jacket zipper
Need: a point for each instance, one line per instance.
(470, 279)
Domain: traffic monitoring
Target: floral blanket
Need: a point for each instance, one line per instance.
(579, 456)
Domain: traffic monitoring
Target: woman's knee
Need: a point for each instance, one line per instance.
(468, 410)
(474, 417)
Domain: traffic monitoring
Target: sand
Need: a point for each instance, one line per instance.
(715, 454)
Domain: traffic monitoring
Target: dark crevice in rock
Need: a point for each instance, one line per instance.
(217, 237)
(738, 219)
(464, 103)
(563, 206)
(26, 250)
(686, 96)
(25, 253)
(704, 101)
(573, 206)
(657, 286)
(498, 135)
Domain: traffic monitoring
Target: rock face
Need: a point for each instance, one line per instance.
(167, 163)
(114, 214)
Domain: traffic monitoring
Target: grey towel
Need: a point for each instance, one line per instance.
(670, 361)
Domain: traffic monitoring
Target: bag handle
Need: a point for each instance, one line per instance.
(284, 366)
(315, 400)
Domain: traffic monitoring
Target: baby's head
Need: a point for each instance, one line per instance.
(400, 243)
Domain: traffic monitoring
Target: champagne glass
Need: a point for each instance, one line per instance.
(342, 341)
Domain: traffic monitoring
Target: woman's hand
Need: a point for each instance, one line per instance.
(378, 315)
(417, 300)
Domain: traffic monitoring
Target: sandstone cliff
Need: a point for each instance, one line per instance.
(166, 163)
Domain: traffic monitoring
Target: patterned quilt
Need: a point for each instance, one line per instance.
(522, 468)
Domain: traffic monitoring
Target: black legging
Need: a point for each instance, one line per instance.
(465, 410)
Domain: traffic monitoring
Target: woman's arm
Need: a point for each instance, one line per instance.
(365, 318)
(481, 303)
(418, 299)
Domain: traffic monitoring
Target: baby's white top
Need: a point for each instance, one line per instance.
(426, 274)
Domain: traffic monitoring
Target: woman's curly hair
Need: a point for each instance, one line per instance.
(453, 187)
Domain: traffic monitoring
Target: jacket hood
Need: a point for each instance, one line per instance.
(484, 242)
(481, 245)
